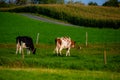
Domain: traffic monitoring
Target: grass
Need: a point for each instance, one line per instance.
(59, 74)
(83, 64)
(90, 58)
(20, 25)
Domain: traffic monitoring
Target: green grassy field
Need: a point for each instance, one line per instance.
(55, 74)
(13, 25)
(83, 64)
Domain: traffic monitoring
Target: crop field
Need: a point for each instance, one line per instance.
(88, 16)
(86, 63)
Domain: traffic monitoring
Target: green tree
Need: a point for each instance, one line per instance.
(3, 3)
(21, 2)
(60, 1)
(79, 2)
(111, 3)
(50, 1)
(92, 3)
(70, 2)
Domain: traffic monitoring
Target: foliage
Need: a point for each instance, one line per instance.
(112, 3)
(89, 16)
(48, 1)
(21, 2)
(4, 4)
(76, 2)
(51, 1)
(60, 1)
(92, 3)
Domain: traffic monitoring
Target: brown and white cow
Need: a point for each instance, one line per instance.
(24, 42)
(64, 43)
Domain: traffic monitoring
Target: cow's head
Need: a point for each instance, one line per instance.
(72, 43)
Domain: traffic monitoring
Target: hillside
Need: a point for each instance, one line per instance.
(89, 16)
(86, 63)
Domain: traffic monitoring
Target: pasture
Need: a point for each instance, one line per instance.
(83, 64)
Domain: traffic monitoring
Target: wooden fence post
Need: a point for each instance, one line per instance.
(86, 39)
(105, 58)
(37, 39)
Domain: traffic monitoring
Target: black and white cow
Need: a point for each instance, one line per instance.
(24, 42)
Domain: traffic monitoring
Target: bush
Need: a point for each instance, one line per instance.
(111, 3)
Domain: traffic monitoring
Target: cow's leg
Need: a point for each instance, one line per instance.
(56, 50)
(28, 51)
(22, 52)
(17, 48)
(60, 50)
(68, 52)
(20, 49)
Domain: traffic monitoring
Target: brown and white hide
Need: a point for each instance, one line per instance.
(64, 43)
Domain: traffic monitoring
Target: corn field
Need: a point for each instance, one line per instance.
(88, 16)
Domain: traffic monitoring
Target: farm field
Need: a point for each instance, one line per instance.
(83, 64)
(87, 16)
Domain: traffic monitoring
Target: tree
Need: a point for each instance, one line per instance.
(6, 3)
(3, 3)
(92, 3)
(48, 1)
(60, 1)
(79, 2)
(51, 1)
(70, 2)
(21, 2)
(111, 3)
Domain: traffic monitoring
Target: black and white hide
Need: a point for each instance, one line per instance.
(24, 42)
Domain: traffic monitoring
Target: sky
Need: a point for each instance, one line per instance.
(99, 2)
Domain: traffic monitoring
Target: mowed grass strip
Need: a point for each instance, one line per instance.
(53, 74)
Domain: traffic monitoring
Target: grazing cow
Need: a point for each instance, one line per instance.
(64, 43)
(24, 42)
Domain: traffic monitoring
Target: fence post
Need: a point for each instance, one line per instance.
(37, 39)
(105, 58)
(86, 39)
